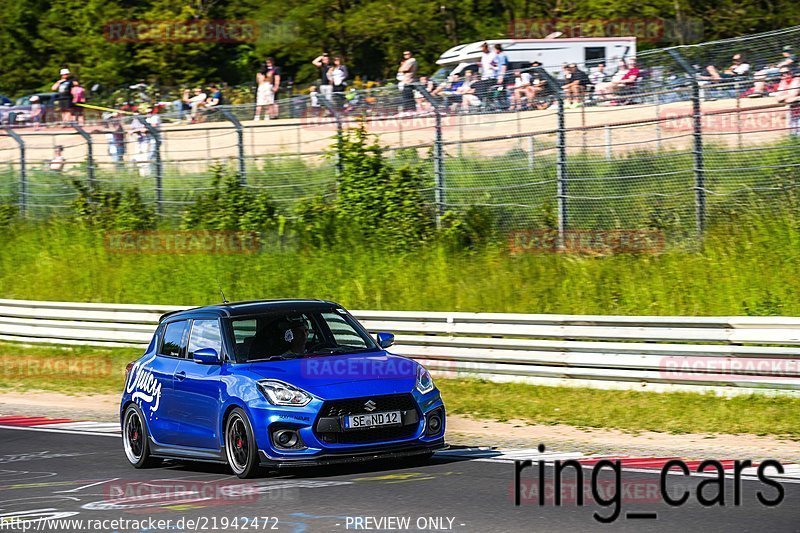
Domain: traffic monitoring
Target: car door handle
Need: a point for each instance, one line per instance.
(180, 376)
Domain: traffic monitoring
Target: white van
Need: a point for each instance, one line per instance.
(551, 53)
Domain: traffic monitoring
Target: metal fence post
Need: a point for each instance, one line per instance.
(239, 142)
(89, 154)
(561, 160)
(697, 126)
(339, 139)
(531, 153)
(438, 155)
(159, 166)
(23, 173)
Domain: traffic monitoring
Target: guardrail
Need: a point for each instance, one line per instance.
(727, 355)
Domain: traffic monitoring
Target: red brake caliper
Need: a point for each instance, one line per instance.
(239, 442)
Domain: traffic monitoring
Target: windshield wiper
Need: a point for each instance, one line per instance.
(341, 350)
(270, 358)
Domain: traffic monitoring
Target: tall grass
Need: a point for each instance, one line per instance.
(747, 266)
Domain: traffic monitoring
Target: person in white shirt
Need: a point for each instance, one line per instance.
(522, 88)
(598, 75)
(488, 63)
(739, 68)
(57, 163)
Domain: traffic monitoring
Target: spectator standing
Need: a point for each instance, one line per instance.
(501, 63)
(323, 63)
(313, 100)
(265, 96)
(407, 73)
(275, 71)
(115, 139)
(64, 98)
(78, 99)
(488, 63)
(338, 77)
(37, 112)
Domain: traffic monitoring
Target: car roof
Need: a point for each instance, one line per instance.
(253, 307)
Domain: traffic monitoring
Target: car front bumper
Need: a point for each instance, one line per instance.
(383, 453)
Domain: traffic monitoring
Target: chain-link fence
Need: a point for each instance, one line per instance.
(684, 141)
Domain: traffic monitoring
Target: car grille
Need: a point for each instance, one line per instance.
(396, 402)
(338, 408)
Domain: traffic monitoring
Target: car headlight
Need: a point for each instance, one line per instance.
(424, 380)
(280, 393)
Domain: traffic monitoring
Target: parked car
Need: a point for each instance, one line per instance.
(276, 384)
(19, 112)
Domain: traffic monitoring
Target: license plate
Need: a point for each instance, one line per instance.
(389, 418)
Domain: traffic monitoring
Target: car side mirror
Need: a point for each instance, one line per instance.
(385, 339)
(206, 356)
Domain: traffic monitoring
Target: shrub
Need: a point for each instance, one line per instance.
(229, 205)
(118, 210)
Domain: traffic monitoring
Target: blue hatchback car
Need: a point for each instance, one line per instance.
(275, 384)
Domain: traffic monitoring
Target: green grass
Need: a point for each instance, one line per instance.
(624, 410)
(747, 267)
(67, 369)
(629, 411)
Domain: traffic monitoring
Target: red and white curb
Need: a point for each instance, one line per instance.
(60, 425)
(493, 455)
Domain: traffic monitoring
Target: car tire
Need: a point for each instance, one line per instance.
(136, 438)
(241, 449)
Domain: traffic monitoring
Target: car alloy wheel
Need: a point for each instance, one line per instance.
(240, 445)
(135, 438)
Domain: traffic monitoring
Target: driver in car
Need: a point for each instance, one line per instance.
(295, 335)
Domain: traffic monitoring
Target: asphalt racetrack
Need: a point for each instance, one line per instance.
(78, 478)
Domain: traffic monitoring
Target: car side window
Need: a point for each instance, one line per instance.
(343, 332)
(173, 338)
(205, 334)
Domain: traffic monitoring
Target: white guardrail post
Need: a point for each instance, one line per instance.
(727, 355)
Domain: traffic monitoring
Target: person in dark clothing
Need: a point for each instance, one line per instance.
(64, 99)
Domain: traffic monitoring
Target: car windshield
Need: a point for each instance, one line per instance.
(289, 335)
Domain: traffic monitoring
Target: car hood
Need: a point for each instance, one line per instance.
(342, 376)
